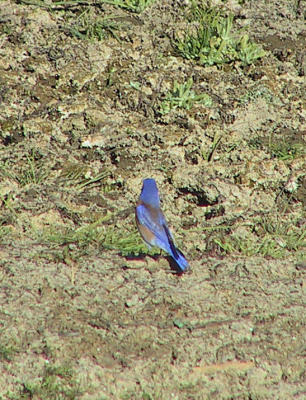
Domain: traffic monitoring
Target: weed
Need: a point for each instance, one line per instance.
(89, 26)
(56, 383)
(210, 42)
(110, 76)
(147, 396)
(286, 148)
(275, 238)
(286, 151)
(34, 171)
(64, 235)
(5, 232)
(207, 155)
(136, 6)
(135, 85)
(248, 51)
(6, 352)
(108, 237)
(8, 203)
(94, 179)
(247, 247)
(261, 92)
(74, 172)
(127, 243)
(182, 96)
(79, 176)
(283, 233)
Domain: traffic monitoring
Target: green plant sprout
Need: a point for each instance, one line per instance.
(286, 151)
(276, 239)
(210, 41)
(208, 155)
(248, 51)
(34, 172)
(58, 382)
(90, 27)
(108, 237)
(136, 6)
(182, 96)
(7, 351)
(284, 148)
(78, 175)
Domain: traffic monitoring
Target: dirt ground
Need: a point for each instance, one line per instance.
(86, 311)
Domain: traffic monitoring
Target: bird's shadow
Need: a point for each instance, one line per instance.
(141, 256)
(175, 269)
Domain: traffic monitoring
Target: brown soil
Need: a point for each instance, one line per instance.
(79, 318)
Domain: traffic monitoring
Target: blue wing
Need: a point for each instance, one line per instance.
(154, 220)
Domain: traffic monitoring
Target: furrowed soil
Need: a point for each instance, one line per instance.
(86, 311)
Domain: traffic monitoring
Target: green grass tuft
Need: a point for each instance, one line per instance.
(136, 6)
(7, 352)
(208, 154)
(33, 171)
(182, 96)
(89, 26)
(127, 243)
(57, 382)
(210, 42)
(285, 148)
(275, 238)
(5, 234)
(79, 176)
(286, 151)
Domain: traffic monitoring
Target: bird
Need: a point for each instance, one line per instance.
(152, 224)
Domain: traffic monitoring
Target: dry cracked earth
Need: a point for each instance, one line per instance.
(86, 311)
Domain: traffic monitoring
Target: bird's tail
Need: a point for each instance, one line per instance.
(176, 254)
(181, 260)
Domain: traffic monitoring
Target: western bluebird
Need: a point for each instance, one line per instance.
(152, 224)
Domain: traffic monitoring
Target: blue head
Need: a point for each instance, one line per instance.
(149, 193)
